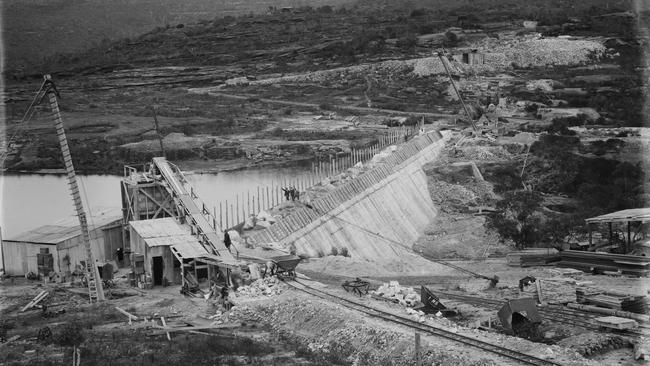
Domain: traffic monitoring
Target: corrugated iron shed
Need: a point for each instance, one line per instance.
(67, 228)
(634, 214)
(168, 232)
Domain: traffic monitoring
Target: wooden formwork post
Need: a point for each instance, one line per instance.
(418, 352)
(258, 199)
(237, 210)
(220, 216)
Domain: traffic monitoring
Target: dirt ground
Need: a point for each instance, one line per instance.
(288, 327)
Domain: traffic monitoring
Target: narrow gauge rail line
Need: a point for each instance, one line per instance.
(552, 315)
(489, 347)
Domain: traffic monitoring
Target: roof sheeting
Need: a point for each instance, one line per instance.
(170, 240)
(189, 249)
(68, 228)
(157, 228)
(634, 214)
(168, 232)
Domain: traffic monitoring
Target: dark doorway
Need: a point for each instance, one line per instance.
(157, 271)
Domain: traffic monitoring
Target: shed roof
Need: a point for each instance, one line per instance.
(190, 249)
(68, 228)
(157, 228)
(633, 214)
(170, 240)
(168, 232)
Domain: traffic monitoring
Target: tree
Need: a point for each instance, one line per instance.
(518, 218)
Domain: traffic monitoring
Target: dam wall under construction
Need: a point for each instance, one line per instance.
(376, 215)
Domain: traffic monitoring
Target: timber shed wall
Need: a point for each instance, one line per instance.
(20, 257)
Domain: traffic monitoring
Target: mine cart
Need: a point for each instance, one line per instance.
(358, 286)
(520, 317)
(431, 304)
(286, 265)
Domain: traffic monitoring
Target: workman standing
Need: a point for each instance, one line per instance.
(226, 240)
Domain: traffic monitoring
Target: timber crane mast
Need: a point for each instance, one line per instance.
(95, 289)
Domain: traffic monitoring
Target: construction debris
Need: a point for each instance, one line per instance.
(533, 257)
(357, 286)
(35, 301)
(614, 322)
(268, 286)
(405, 296)
(612, 300)
(605, 262)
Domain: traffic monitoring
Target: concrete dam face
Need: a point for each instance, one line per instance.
(376, 215)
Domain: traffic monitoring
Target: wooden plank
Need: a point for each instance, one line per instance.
(165, 330)
(162, 319)
(131, 316)
(34, 301)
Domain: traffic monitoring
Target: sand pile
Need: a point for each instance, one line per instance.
(406, 264)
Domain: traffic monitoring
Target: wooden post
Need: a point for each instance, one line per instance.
(418, 354)
(258, 199)
(590, 236)
(538, 285)
(253, 206)
(214, 217)
(237, 211)
(248, 202)
(220, 215)
(227, 226)
(629, 239)
(232, 214)
(611, 234)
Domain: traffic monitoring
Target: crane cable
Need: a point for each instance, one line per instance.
(29, 113)
(493, 280)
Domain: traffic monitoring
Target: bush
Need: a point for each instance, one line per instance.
(69, 335)
(517, 218)
(407, 42)
(418, 13)
(344, 252)
(326, 9)
(334, 251)
(451, 39)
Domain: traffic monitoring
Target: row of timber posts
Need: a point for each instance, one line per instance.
(235, 211)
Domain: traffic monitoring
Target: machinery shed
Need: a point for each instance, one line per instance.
(162, 242)
(63, 241)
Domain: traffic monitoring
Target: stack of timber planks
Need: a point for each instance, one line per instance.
(605, 262)
(533, 257)
(613, 300)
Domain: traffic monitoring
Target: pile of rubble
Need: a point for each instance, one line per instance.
(405, 296)
(268, 286)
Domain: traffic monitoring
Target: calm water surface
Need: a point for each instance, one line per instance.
(30, 201)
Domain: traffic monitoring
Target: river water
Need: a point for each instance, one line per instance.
(30, 201)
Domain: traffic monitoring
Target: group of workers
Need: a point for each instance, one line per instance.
(291, 192)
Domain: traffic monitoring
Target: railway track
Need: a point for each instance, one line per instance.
(425, 328)
(549, 314)
(552, 314)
